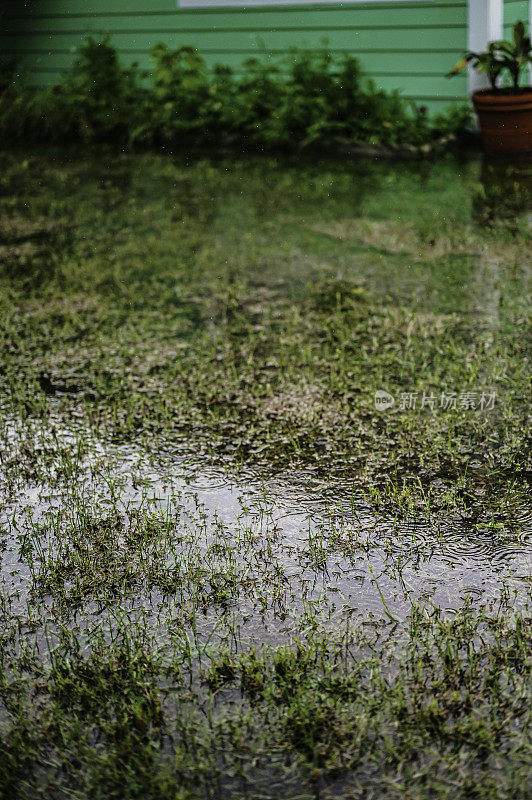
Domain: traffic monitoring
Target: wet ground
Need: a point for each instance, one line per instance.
(192, 455)
(322, 544)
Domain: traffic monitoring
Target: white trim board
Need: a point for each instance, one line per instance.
(484, 19)
(268, 3)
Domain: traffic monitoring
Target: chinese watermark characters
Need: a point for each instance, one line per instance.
(433, 401)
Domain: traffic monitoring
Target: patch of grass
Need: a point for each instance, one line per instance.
(448, 713)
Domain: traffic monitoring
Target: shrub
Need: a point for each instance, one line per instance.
(100, 98)
(251, 103)
(8, 68)
(180, 92)
(306, 99)
(97, 100)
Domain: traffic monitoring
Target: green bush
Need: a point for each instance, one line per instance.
(103, 95)
(327, 99)
(180, 92)
(97, 100)
(306, 99)
(251, 103)
(7, 73)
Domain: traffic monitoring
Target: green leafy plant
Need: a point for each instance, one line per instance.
(314, 97)
(307, 99)
(7, 72)
(500, 57)
(251, 106)
(104, 94)
(187, 101)
(517, 55)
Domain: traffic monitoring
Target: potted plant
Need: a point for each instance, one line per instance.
(504, 112)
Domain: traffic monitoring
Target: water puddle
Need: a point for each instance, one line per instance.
(193, 548)
(88, 525)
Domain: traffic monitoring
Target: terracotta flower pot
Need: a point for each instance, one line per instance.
(505, 120)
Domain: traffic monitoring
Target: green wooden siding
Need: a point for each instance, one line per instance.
(513, 11)
(407, 46)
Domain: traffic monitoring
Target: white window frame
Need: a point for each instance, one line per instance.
(271, 3)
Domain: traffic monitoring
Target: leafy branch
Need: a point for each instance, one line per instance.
(501, 56)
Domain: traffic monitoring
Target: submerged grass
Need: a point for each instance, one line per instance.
(242, 315)
(345, 715)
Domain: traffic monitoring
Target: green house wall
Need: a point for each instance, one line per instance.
(513, 11)
(403, 45)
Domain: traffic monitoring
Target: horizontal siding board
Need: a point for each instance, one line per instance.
(432, 101)
(513, 11)
(415, 88)
(449, 39)
(100, 7)
(51, 7)
(428, 64)
(407, 46)
(401, 18)
(411, 86)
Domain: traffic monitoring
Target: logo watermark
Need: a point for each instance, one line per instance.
(383, 400)
(432, 401)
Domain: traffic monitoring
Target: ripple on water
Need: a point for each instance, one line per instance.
(333, 552)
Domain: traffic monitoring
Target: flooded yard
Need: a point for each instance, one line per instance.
(265, 511)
